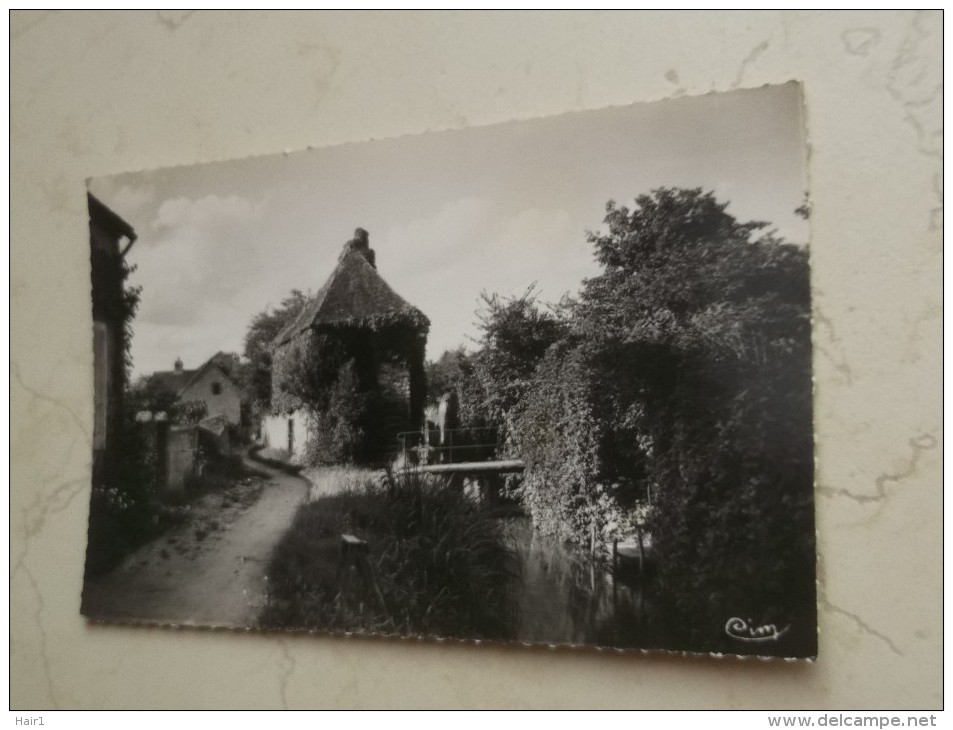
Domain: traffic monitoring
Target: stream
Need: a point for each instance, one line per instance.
(566, 598)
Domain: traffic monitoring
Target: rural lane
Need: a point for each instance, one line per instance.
(210, 571)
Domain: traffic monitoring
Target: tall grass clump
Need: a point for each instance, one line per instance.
(434, 565)
(328, 480)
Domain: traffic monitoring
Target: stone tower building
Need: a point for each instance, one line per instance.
(357, 319)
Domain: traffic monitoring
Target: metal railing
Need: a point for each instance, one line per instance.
(451, 446)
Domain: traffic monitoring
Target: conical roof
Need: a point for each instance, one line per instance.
(355, 295)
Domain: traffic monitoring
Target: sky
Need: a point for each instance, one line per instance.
(450, 214)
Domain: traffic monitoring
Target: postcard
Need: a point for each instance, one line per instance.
(545, 382)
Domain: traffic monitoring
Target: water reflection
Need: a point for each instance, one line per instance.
(566, 598)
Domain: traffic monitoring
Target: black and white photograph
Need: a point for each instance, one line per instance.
(545, 382)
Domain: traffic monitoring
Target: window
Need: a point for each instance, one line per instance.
(216, 388)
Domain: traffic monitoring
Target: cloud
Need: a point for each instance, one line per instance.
(130, 199)
(541, 245)
(134, 201)
(439, 239)
(206, 265)
(200, 257)
(469, 246)
(206, 212)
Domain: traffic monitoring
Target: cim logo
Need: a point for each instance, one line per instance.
(738, 628)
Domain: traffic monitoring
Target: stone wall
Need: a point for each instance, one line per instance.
(214, 437)
(181, 445)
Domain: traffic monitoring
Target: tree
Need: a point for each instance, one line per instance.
(447, 373)
(188, 412)
(262, 331)
(150, 394)
(516, 332)
(699, 330)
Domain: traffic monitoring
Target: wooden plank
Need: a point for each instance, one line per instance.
(471, 467)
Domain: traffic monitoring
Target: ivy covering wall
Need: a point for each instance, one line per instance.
(335, 374)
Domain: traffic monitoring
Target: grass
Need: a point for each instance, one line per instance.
(435, 565)
(329, 480)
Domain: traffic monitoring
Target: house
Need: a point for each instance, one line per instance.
(110, 238)
(212, 384)
(358, 317)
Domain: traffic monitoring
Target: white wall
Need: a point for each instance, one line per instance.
(227, 403)
(275, 433)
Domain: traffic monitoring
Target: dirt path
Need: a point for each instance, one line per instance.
(210, 571)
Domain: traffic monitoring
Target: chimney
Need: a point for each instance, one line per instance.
(360, 244)
(178, 366)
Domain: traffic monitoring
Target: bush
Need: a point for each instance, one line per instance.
(733, 525)
(124, 510)
(336, 433)
(578, 485)
(683, 371)
(336, 375)
(702, 333)
(491, 383)
(188, 412)
(440, 566)
(557, 437)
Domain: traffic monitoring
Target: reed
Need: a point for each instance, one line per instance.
(437, 564)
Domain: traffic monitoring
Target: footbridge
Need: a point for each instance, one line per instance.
(456, 451)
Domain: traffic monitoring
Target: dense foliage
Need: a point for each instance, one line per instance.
(314, 372)
(152, 395)
(434, 565)
(673, 395)
(259, 339)
(122, 511)
(189, 411)
(491, 383)
(112, 304)
(703, 330)
(337, 427)
(334, 373)
(516, 332)
(447, 373)
(557, 436)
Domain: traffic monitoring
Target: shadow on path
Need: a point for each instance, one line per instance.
(200, 575)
